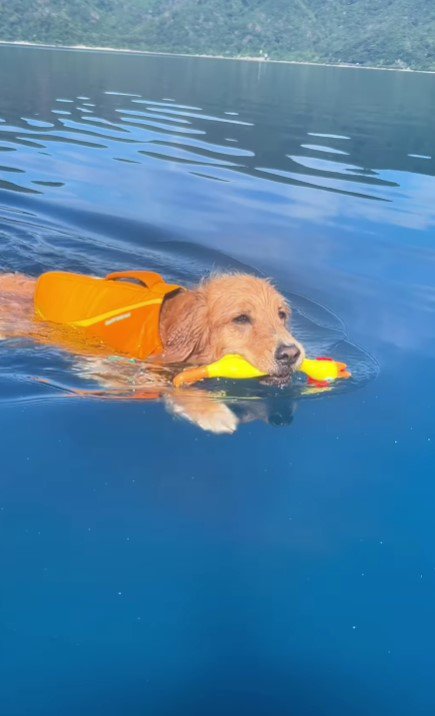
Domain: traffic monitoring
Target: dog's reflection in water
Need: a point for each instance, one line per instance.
(210, 408)
(219, 414)
(278, 413)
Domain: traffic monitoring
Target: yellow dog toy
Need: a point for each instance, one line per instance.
(318, 370)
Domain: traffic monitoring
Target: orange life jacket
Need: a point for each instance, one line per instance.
(122, 316)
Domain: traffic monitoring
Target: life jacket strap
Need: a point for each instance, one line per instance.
(146, 278)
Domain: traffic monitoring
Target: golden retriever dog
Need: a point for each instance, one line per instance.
(229, 313)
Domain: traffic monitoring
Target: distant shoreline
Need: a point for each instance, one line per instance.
(153, 53)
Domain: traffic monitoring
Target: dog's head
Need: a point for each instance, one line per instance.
(232, 314)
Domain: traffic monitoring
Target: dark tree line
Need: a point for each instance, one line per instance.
(388, 33)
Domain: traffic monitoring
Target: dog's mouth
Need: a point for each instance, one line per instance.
(283, 375)
(278, 380)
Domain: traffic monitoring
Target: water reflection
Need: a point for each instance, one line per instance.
(301, 103)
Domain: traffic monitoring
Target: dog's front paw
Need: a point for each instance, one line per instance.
(220, 420)
(205, 411)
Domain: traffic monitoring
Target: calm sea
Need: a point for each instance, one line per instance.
(152, 568)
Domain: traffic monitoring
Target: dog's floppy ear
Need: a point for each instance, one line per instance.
(183, 326)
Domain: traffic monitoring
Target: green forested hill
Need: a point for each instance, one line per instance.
(398, 33)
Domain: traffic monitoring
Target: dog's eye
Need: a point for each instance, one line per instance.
(243, 318)
(282, 315)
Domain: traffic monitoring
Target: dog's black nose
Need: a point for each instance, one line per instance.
(287, 355)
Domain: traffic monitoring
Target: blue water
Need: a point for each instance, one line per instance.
(149, 567)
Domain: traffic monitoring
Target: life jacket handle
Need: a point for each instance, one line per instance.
(146, 278)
